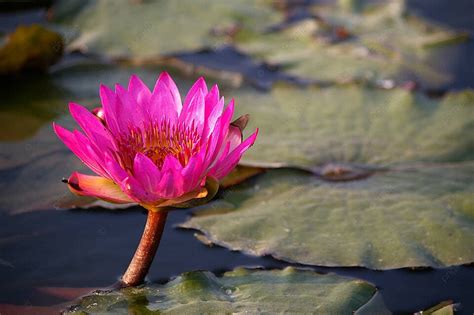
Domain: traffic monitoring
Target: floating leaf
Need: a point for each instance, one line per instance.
(422, 217)
(239, 291)
(127, 28)
(443, 308)
(308, 128)
(375, 306)
(346, 43)
(239, 175)
(30, 48)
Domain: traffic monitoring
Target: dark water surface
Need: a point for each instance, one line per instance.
(92, 248)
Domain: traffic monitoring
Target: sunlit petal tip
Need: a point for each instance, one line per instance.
(215, 90)
(62, 132)
(96, 186)
(119, 89)
(134, 80)
(105, 91)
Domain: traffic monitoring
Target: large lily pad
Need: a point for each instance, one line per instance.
(422, 217)
(128, 28)
(352, 124)
(355, 41)
(239, 291)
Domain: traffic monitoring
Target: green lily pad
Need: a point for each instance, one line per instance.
(350, 42)
(443, 308)
(32, 48)
(238, 291)
(418, 217)
(308, 128)
(150, 28)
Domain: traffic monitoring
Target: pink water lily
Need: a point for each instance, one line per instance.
(150, 148)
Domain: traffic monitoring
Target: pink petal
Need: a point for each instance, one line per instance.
(219, 134)
(193, 113)
(92, 126)
(220, 170)
(172, 182)
(80, 149)
(110, 107)
(96, 186)
(135, 191)
(146, 172)
(139, 91)
(129, 113)
(199, 85)
(214, 108)
(194, 171)
(133, 187)
(165, 102)
(114, 170)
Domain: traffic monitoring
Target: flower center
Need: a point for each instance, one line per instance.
(158, 140)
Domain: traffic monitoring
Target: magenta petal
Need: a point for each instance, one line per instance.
(146, 172)
(194, 171)
(165, 102)
(114, 170)
(131, 186)
(199, 85)
(170, 185)
(222, 169)
(193, 114)
(79, 149)
(139, 91)
(213, 112)
(172, 182)
(219, 134)
(92, 126)
(110, 107)
(212, 98)
(135, 190)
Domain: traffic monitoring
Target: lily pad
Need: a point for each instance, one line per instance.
(250, 291)
(308, 128)
(128, 28)
(32, 48)
(349, 41)
(412, 218)
(443, 308)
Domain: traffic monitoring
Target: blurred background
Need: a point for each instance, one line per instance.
(55, 52)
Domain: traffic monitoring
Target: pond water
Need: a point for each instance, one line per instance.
(91, 248)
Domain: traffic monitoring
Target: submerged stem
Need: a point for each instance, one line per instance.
(141, 261)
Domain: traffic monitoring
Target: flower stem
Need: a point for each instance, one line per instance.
(141, 261)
